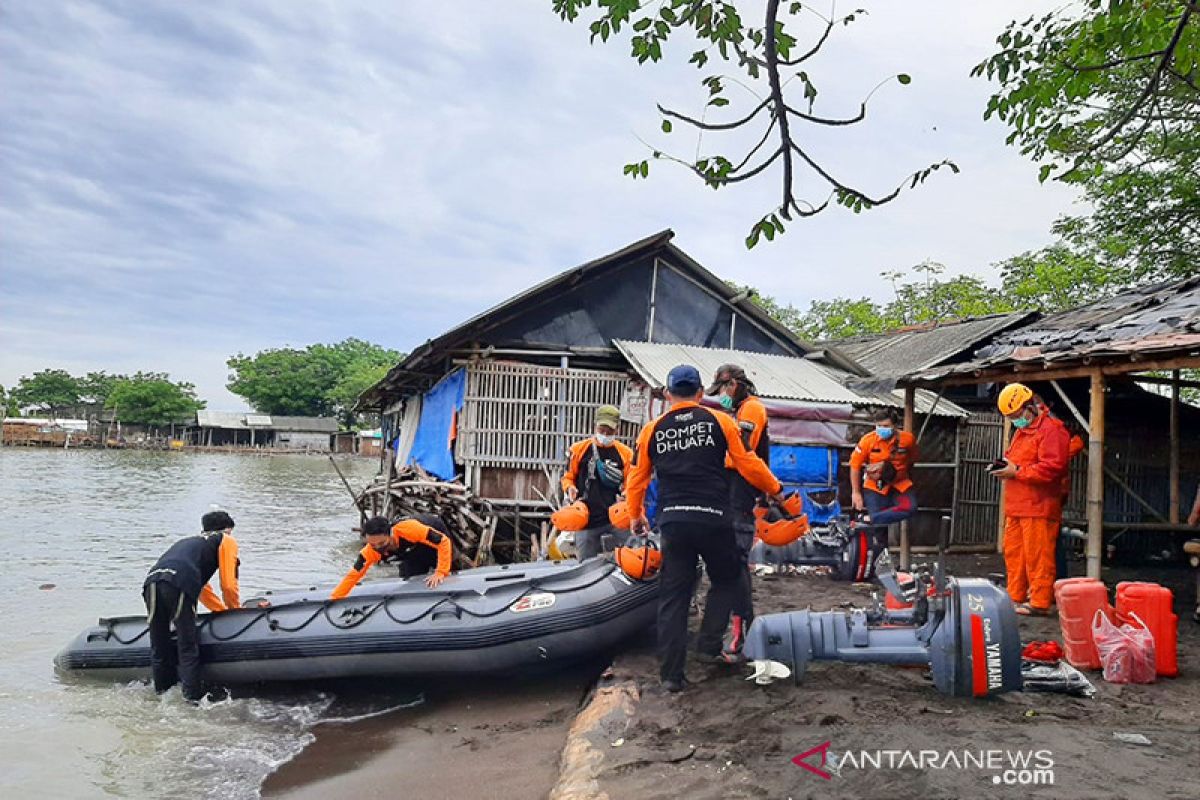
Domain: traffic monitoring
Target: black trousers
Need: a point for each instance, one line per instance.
(175, 661)
(682, 543)
(743, 535)
(417, 561)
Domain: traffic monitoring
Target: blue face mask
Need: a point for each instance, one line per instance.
(884, 432)
(726, 402)
(1021, 422)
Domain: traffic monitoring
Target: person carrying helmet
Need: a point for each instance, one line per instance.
(685, 449)
(881, 464)
(1034, 465)
(596, 470)
(419, 544)
(736, 394)
(173, 586)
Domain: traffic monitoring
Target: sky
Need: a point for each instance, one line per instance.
(180, 182)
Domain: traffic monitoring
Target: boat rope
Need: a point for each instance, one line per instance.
(359, 616)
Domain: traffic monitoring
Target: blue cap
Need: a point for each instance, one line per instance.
(684, 380)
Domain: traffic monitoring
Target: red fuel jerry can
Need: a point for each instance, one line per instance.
(1153, 605)
(1078, 599)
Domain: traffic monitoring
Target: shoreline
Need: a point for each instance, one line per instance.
(499, 738)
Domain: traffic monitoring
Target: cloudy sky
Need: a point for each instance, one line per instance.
(183, 181)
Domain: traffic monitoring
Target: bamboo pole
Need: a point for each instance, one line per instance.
(1174, 462)
(1095, 485)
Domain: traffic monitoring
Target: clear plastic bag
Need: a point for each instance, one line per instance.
(1126, 652)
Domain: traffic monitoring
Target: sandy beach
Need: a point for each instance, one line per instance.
(727, 738)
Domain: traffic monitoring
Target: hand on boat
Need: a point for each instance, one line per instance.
(640, 525)
(433, 580)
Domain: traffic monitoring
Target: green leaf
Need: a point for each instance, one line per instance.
(666, 126)
(904, 79)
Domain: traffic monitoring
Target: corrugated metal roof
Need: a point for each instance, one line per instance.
(912, 350)
(782, 377)
(240, 420)
(1160, 318)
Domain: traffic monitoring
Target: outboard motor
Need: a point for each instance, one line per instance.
(965, 629)
(850, 549)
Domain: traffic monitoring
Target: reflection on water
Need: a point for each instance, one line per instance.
(91, 523)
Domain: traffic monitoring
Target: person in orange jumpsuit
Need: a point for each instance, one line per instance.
(413, 542)
(882, 465)
(1034, 466)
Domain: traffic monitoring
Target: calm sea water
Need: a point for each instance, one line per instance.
(91, 523)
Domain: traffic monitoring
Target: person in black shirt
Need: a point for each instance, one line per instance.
(596, 470)
(686, 450)
(173, 586)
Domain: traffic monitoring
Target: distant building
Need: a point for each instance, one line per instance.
(248, 429)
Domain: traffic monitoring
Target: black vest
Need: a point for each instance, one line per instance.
(687, 449)
(189, 564)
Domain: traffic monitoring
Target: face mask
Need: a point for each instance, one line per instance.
(884, 432)
(603, 439)
(1021, 422)
(726, 402)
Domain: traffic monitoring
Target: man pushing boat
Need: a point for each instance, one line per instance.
(418, 544)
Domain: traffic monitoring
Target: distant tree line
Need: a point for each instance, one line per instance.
(145, 398)
(1051, 279)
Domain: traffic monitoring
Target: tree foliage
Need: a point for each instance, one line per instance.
(1052, 279)
(151, 398)
(320, 380)
(1105, 94)
(50, 388)
(768, 95)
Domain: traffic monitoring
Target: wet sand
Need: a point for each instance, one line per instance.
(500, 740)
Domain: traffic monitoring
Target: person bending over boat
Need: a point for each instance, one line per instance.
(176, 581)
(419, 544)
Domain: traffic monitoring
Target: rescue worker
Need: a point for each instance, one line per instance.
(882, 465)
(1034, 465)
(419, 543)
(685, 449)
(596, 470)
(736, 394)
(173, 586)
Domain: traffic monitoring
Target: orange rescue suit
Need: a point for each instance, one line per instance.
(900, 449)
(409, 530)
(1039, 452)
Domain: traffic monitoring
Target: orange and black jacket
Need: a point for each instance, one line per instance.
(686, 448)
(591, 491)
(405, 534)
(900, 450)
(190, 563)
(751, 418)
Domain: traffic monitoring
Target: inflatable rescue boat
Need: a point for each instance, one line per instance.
(479, 621)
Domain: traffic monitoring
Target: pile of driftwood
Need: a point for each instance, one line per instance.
(412, 490)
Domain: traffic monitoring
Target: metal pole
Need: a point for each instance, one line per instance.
(1095, 484)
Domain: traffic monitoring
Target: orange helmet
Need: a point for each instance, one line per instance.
(618, 515)
(780, 531)
(571, 518)
(639, 558)
(1013, 398)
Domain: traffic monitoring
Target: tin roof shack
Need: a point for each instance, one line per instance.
(499, 399)
(237, 429)
(816, 419)
(1096, 351)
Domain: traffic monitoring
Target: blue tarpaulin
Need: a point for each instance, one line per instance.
(431, 448)
(804, 465)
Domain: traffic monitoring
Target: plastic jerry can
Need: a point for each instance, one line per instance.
(1153, 605)
(1078, 599)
